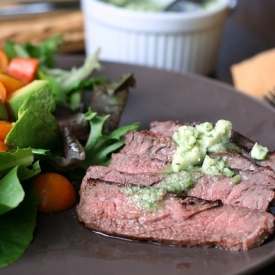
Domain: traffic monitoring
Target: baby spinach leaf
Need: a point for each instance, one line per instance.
(11, 191)
(10, 159)
(16, 230)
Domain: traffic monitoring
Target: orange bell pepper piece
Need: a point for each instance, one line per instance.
(4, 61)
(23, 69)
(3, 92)
(3, 148)
(11, 84)
(5, 127)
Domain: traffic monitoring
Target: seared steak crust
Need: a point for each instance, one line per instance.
(181, 221)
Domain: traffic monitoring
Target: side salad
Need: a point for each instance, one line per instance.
(49, 133)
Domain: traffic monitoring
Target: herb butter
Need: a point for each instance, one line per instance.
(147, 198)
(193, 143)
(216, 167)
(180, 182)
(258, 152)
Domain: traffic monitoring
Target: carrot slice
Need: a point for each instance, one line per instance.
(3, 92)
(23, 69)
(11, 84)
(4, 61)
(3, 148)
(5, 127)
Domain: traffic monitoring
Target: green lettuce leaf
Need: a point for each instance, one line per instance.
(66, 83)
(67, 79)
(10, 159)
(99, 146)
(17, 226)
(11, 191)
(25, 173)
(44, 50)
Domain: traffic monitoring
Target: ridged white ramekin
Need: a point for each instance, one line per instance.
(173, 41)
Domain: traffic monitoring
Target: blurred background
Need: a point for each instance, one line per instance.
(33, 21)
(249, 28)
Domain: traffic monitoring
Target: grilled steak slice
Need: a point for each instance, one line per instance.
(166, 128)
(242, 160)
(182, 221)
(247, 193)
(133, 163)
(269, 162)
(159, 149)
(149, 144)
(144, 152)
(108, 174)
(239, 162)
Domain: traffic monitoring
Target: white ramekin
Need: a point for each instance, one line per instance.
(173, 41)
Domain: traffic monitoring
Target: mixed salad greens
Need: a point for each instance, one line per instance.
(89, 133)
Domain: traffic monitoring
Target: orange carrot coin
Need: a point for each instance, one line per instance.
(5, 127)
(4, 61)
(3, 148)
(11, 84)
(3, 92)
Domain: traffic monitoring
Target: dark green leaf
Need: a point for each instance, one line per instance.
(11, 191)
(110, 98)
(16, 230)
(99, 146)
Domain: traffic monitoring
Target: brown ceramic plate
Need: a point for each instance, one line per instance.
(62, 245)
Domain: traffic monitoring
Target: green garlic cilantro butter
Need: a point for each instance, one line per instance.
(180, 182)
(147, 198)
(216, 167)
(258, 152)
(193, 143)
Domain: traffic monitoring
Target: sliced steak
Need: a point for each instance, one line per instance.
(148, 144)
(153, 147)
(182, 221)
(132, 163)
(258, 178)
(166, 128)
(144, 152)
(147, 152)
(108, 174)
(246, 193)
(269, 162)
(216, 211)
(242, 159)
(239, 162)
